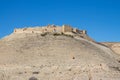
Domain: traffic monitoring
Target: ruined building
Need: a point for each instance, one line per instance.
(51, 28)
(65, 29)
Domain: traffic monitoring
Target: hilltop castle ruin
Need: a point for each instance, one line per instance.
(50, 28)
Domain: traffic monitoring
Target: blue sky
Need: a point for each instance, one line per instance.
(101, 18)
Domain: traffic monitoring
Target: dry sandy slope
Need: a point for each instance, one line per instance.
(115, 46)
(56, 58)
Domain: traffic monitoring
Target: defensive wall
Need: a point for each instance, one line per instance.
(50, 28)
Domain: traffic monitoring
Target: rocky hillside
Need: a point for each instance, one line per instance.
(56, 57)
(115, 46)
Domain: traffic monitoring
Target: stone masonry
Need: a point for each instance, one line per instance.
(50, 28)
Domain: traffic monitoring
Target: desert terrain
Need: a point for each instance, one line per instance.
(115, 46)
(35, 56)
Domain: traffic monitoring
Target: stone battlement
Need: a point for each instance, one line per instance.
(50, 28)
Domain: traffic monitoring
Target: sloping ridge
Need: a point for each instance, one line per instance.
(62, 57)
(115, 46)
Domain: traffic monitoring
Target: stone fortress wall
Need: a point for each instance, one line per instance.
(50, 28)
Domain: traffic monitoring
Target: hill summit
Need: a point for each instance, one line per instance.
(65, 29)
(56, 53)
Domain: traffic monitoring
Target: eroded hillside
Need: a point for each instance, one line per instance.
(56, 57)
(115, 46)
